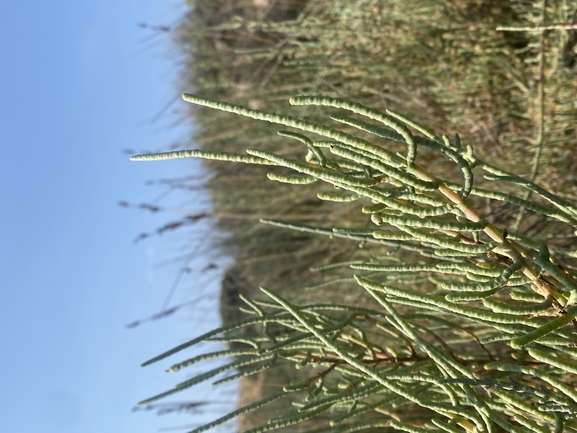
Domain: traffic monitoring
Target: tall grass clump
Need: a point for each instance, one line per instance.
(472, 326)
(485, 68)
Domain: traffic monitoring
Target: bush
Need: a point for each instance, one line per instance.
(473, 326)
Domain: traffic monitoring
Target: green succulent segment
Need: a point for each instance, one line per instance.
(473, 333)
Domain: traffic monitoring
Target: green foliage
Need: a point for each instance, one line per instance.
(477, 334)
(510, 94)
(445, 63)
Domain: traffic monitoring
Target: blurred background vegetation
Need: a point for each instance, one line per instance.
(511, 94)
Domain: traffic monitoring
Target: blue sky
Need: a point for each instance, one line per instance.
(80, 82)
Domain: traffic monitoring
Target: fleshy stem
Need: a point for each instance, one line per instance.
(506, 247)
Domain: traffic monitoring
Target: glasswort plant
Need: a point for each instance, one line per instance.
(477, 334)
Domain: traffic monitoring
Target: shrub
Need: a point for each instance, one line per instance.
(476, 333)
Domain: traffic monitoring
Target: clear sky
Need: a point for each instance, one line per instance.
(80, 81)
